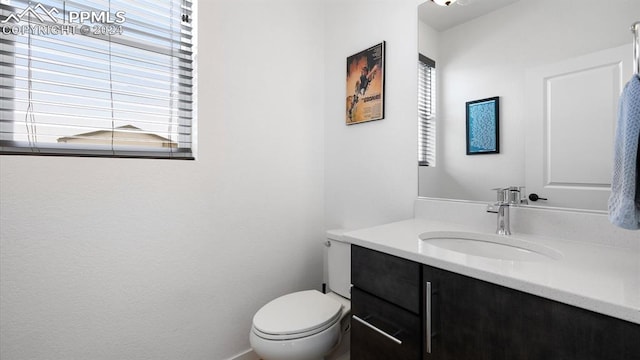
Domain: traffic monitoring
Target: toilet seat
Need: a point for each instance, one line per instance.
(296, 315)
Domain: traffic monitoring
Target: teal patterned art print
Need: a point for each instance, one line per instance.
(483, 126)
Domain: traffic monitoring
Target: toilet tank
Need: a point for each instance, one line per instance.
(339, 263)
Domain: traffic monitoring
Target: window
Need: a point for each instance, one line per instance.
(426, 111)
(97, 78)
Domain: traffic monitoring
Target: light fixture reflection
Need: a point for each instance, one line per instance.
(444, 2)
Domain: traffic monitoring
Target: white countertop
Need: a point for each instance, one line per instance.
(596, 277)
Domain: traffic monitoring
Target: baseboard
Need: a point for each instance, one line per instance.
(245, 355)
(250, 355)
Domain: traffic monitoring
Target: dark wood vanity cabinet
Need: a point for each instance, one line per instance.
(470, 319)
(474, 320)
(385, 306)
(390, 332)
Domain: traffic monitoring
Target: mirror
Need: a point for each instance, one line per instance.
(557, 67)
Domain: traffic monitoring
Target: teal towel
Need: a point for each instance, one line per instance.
(624, 202)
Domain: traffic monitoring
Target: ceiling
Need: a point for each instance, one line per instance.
(442, 18)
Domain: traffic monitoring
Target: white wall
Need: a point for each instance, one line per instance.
(147, 259)
(370, 168)
(428, 41)
(488, 57)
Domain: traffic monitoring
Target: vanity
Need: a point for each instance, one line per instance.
(565, 284)
(566, 297)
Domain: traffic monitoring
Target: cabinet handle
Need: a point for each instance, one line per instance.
(365, 323)
(427, 296)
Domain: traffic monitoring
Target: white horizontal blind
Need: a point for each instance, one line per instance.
(426, 112)
(96, 78)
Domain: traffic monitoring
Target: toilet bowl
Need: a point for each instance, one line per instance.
(308, 325)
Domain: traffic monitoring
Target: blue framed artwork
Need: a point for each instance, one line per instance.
(483, 126)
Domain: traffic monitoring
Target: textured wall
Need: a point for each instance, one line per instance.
(148, 259)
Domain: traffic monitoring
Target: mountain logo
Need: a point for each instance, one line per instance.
(33, 11)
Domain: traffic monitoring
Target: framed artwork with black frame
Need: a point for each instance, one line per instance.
(365, 85)
(483, 120)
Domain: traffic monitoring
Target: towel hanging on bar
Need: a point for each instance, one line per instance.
(624, 202)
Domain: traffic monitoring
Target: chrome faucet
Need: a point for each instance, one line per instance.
(501, 207)
(503, 217)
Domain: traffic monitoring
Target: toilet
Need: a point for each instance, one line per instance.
(309, 325)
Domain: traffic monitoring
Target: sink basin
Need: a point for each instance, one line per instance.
(490, 246)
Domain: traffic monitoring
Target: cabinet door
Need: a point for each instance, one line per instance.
(475, 320)
(389, 277)
(381, 330)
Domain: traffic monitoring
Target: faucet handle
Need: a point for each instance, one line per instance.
(514, 195)
(502, 194)
(523, 196)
